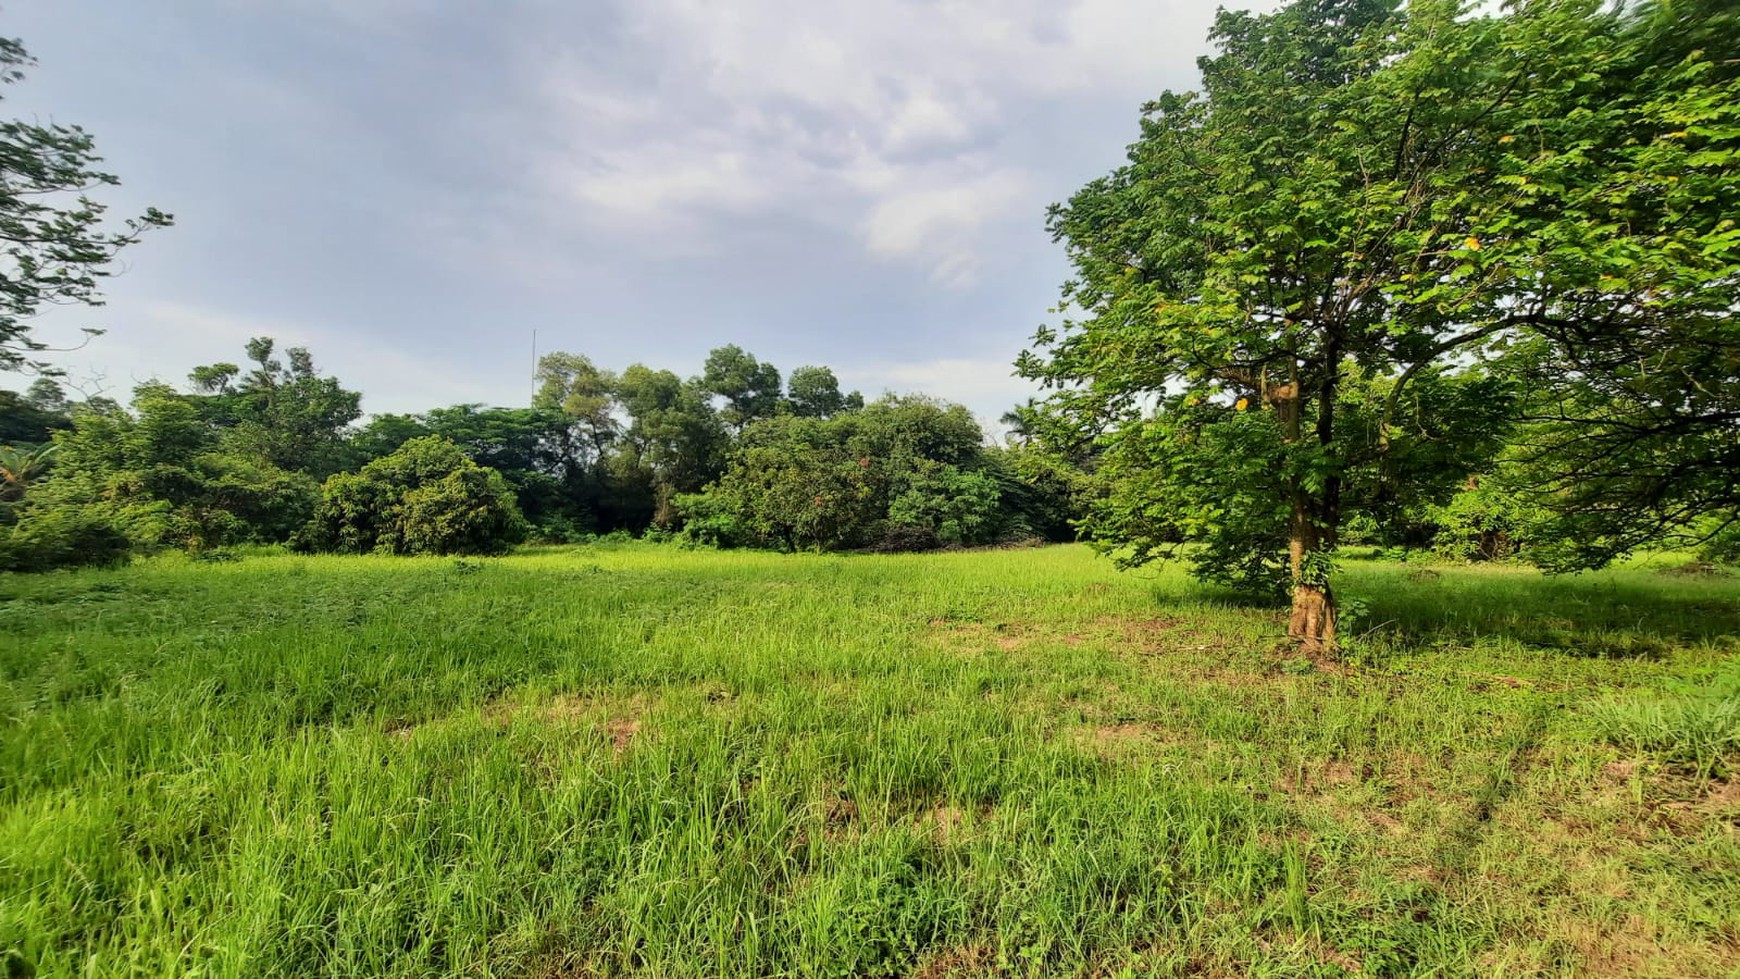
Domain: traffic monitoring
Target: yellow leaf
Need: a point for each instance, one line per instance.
(1507, 139)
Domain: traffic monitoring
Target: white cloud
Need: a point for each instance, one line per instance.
(883, 121)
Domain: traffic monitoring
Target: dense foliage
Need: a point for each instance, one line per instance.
(275, 453)
(1359, 243)
(901, 474)
(426, 497)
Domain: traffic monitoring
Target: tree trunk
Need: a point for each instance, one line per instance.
(1312, 622)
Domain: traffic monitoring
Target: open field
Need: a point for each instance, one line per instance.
(596, 761)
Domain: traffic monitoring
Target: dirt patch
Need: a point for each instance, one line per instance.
(1121, 738)
(619, 720)
(1723, 797)
(621, 731)
(839, 818)
(952, 963)
(1619, 772)
(946, 823)
(1627, 948)
(1714, 800)
(401, 727)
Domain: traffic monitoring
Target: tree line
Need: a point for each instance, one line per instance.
(1410, 275)
(274, 452)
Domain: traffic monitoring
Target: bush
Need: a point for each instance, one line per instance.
(956, 507)
(46, 538)
(1481, 523)
(903, 474)
(426, 497)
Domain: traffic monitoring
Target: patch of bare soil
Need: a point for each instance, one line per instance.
(1626, 948)
(954, 963)
(839, 818)
(618, 720)
(1123, 738)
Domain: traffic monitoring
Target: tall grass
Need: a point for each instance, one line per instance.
(1694, 722)
(635, 760)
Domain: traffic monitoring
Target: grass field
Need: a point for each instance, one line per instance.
(646, 761)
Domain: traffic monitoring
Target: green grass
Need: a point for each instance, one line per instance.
(647, 761)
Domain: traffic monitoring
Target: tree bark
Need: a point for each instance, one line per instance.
(1312, 622)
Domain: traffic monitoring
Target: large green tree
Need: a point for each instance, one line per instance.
(1361, 199)
(54, 246)
(425, 497)
(287, 414)
(750, 387)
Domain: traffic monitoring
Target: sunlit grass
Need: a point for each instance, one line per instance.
(641, 760)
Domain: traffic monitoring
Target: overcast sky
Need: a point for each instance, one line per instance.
(412, 187)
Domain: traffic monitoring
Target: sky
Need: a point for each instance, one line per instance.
(411, 188)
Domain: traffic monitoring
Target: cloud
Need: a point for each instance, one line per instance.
(411, 189)
(882, 121)
(941, 222)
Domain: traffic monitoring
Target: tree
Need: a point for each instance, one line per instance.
(424, 498)
(905, 473)
(31, 418)
(1633, 429)
(285, 414)
(1359, 198)
(572, 385)
(750, 388)
(814, 392)
(162, 476)
(21, 468)
(674, 433)
(54, 248)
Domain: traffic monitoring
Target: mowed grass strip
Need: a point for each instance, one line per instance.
(646, 761)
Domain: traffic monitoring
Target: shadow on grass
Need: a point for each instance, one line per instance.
(1630, 614)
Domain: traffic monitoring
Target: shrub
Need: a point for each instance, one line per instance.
(1481, 523)
(426, 497)
(46, 538)
(956, 507)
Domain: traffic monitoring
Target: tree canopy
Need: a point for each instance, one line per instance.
(1364, 201)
